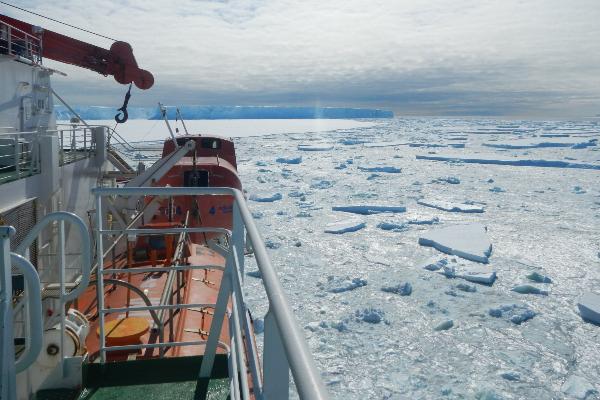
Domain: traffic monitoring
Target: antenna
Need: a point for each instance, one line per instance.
(163, 111)
(182, 121)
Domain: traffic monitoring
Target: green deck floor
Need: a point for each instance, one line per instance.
(153, 379)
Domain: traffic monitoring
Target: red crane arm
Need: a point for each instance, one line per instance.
(118, 61)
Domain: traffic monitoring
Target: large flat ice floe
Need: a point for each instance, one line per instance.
(349, 225)
(370, 209)
(466, 241)
(449, 206)
(532, 143)
(315, 147)
(589, 307)
(516, 162)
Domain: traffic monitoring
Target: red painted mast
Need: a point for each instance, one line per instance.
(118, 61)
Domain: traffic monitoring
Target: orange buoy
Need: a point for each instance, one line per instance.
(124, 331)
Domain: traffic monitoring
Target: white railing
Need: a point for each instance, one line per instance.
(19, 155)
(285, 347)
(18, 43)
(75, 142)
(9, 367)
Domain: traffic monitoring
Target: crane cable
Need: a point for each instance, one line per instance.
(60, 22)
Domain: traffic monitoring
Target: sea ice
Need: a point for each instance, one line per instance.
(435, 263)
(315, 147)
(392, 226)
(321, 184)
(536, 143)
(589, 307)
(517, 162)
(529, 289)
(370, 315)
(386, 144)
(449, 179)
(477, 274)
(291, 160)
(450, 207)
(370, 209)
(517, 314)
(424, 221)
(444, 326)
(537, 277)
(510, 376)
(578, 387)
(386, 169)
(264, 198)
(403, 289)
(466, 241)
(497, 189)
(349, 225)
(466, 287)
(339, 285)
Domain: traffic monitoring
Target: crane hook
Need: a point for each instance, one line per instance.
(123, 109)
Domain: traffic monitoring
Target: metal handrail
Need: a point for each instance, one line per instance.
(16, 42)
(34, 311)
(306, 376)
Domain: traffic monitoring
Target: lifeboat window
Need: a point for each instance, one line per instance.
(210, 143)
(195, 178)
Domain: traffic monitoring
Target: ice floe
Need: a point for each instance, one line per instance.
(517, 314)
(467, 241)
(266, 198)
(315, 147)
(370, 209)
(402, 289)
(424, 221)
(529, 289)
(449, 206)
(290, 160)
(536, 143)
(386, 169)
(444, 325)
(578, 387)
(370, 315)
(450, 267)
(393, 226)
(589, 307)
(335, 284)
(349, 225)
(537, 277)
(517, 162)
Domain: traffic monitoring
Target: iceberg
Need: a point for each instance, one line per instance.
(466, 241)
(225, 112)
(450, 207)
(370, 209)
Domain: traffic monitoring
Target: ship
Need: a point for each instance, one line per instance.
(119, 281)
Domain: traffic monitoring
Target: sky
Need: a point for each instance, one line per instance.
(512, 58)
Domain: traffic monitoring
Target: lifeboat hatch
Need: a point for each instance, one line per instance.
(198, 178)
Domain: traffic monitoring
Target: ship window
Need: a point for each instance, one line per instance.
(195, 178)
(210, 143)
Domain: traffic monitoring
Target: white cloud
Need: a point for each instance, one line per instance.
(372, 52)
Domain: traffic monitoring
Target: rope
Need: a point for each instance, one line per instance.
(60, 22)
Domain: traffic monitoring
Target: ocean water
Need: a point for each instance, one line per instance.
(371, 343)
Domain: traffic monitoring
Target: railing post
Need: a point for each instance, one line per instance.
(17, 157)
(7, 347)
(276, 370)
